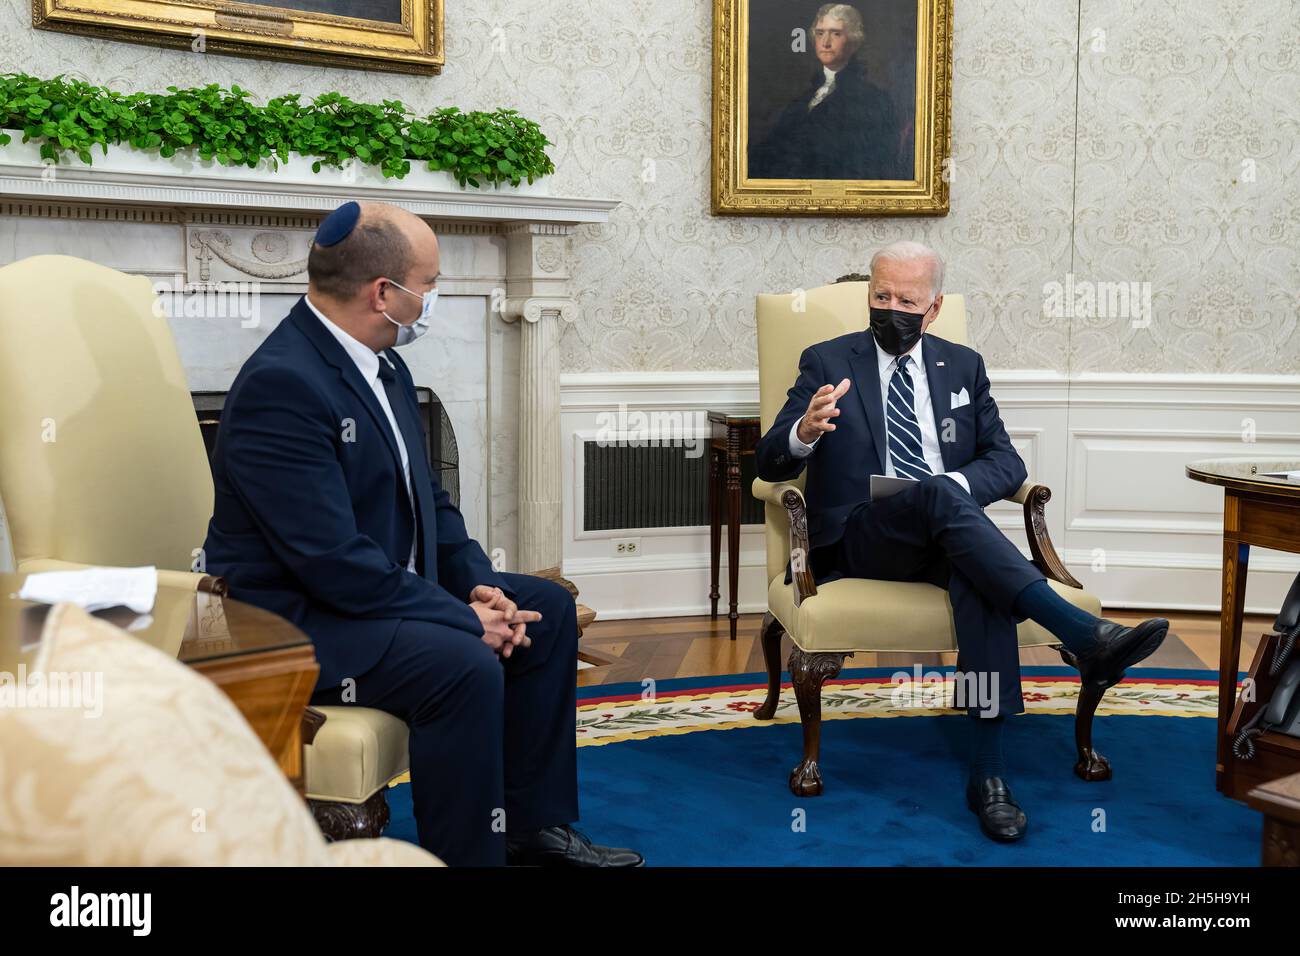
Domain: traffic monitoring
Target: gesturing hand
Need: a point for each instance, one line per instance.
(503, 622)
(817, 420)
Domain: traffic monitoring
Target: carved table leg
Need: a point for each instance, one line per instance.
(1090, 765)
(715, 529)
(733, 527)
(808, 672)
(770, 635)
(1236, 560)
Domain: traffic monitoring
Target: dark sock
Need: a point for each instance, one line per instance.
(986, 754)
(1071, 625)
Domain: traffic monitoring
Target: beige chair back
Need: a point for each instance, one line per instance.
(786, 327)
(101, 458)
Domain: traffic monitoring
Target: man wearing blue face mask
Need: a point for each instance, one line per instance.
(921, 408)
(406, 334)
(328, 513)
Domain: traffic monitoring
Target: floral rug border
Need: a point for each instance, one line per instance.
(613, 720)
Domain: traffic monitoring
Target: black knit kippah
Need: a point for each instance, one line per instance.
(339, 224)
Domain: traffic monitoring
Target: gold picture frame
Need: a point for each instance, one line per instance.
(764, 28)
(405, 36)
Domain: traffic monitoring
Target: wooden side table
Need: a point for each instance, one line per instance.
(1266, 512)
(731, 436)
(265, 665)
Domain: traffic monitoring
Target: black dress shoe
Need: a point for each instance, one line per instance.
(1117, 647)
(565, 846)
(1000, 816)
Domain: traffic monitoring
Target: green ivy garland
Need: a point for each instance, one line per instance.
(71, 117)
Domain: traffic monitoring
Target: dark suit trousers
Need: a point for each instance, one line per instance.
(492, 742)
(934, 531)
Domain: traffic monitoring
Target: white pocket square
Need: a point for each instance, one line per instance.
(960, 398)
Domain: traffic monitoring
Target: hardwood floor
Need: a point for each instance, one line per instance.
(666, 647)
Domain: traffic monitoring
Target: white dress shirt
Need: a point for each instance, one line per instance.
(924, 414)
(367, 362)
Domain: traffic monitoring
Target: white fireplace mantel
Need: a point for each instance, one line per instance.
(505, 258)
(137, 177)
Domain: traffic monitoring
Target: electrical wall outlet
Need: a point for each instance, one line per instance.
(627, 547)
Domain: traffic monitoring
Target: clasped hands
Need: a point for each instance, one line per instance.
(503, 622)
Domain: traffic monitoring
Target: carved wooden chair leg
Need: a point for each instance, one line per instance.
(808, 672)
(770, 635)
(352, 821)
(1090, 765)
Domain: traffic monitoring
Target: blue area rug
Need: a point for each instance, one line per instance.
(894, 787)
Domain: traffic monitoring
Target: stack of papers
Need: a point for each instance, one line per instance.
(94, 588)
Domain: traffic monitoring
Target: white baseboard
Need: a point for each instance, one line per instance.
(665, 585)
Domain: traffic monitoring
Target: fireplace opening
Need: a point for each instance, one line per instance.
(439, 437)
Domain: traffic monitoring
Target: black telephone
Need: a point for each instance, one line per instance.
(1282, 712)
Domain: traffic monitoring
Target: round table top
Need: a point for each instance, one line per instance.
(195, 627)
(1248, 474)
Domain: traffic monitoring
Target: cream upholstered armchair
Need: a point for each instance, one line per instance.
(828, 622)
(168, 773)
(102, 463)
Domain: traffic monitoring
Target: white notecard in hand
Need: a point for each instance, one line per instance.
(95, 588)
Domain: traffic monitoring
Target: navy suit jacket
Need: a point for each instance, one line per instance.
(312, 519)
(842, 461)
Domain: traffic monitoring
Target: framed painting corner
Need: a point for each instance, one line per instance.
(397, 36)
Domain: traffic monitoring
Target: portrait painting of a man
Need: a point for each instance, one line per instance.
(840, 125)
(831, 108)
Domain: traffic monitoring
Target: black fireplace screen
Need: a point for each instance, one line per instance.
(439, 439)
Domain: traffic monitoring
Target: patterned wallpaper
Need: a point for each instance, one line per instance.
(1126, 192)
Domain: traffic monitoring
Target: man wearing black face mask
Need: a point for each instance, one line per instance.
(923, 411)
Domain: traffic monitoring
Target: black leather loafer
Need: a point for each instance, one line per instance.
(1117, 648)
(1000, 816)
(565, 846)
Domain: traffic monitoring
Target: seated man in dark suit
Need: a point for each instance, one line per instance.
(842, 126)
(922, 410)
(328, 514)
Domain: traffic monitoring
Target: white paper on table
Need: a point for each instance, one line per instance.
(94, 589)
(1288, 475)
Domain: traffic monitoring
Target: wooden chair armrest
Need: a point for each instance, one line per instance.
(213, 584)
(1034, 497)
(312, 721)
(1022, 493)
(787, 495)
(771, 491)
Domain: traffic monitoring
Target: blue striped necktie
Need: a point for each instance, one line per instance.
(903, 430)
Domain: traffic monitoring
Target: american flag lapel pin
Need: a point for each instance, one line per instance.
(938, 363)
